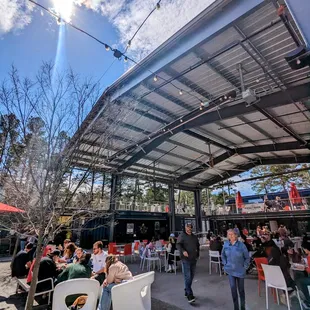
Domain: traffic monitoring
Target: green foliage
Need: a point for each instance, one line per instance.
(279, 182)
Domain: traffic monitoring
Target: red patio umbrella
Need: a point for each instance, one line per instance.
(294, 194)
(239, 201)
(7, 208)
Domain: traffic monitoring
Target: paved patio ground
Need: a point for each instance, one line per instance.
(212, 291)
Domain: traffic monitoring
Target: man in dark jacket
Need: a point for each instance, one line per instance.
(22, 262)
(188, 245)
(47, 270)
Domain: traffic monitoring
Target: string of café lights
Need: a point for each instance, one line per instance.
(119, 55)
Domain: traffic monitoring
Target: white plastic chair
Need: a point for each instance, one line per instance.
(274, 278)
(174, 255)
(133, 294)
(151, 258)
(87, 287)
(217, 255)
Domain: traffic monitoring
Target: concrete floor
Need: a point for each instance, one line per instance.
(212, 291)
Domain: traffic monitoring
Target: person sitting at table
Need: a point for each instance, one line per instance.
(78, 254)
(247, 245)
(216, 244)
(149, 249)
(78, 270)
(48, 269)
(69, 254)
(62, 248)
(171, 247)
(98, 260)
(303, 282)
(259, 231)
(276, 258)
(117, 272)
(256, 242)
(22, 262)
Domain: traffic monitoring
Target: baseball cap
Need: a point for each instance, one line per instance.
(172, 235)
(189, 224)
(55, 253)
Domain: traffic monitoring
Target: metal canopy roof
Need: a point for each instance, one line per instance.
(154, 132)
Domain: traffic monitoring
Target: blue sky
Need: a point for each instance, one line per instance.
(26, 48)
(29, 36)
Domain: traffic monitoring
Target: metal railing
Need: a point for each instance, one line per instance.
(278, 205)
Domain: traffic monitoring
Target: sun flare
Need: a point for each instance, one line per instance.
(64, 8)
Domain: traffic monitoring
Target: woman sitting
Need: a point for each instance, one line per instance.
(171, 247)
(116, 272)
(69, 254)
(78, 254)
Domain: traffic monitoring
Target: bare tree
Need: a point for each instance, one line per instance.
(38, 174)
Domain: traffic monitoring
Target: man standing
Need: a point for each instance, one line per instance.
(98, 260)
(188, 245)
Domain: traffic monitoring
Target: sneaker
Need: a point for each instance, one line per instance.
(185, 295)
(191, 298)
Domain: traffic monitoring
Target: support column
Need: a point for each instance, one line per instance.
(198, 215)
(113, 200)
(172, 207)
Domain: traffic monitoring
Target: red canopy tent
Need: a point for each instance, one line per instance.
(7, 208)
(294, 195)
(239, 201)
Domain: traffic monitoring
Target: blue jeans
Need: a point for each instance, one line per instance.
(189, 268)
(237, 284)
(22, 245)
(106, 298)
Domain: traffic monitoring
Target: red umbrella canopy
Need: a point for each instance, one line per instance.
(7, 208)
(294, 194)
(239, 201)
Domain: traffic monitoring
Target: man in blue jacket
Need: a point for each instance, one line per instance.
(188, 245)
(236, 260)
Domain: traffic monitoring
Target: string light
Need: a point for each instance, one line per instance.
(129, 43)
(180, 92)
(125, 58)
(257, 80)
(107, 47)
(157, 6)
(155, 78)
(181, 121)
(298, 62)
(200, 108)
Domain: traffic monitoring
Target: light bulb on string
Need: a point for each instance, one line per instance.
(107, 47)
(155, 78)
(125, 58)
(129, 43)
(200, 108)
(158, 6)
(298, 61)
(180, 92)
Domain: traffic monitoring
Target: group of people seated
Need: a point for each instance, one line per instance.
(263, 245)
(169, 248)
(66, 262)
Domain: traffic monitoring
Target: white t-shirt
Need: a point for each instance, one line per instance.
(99, 261)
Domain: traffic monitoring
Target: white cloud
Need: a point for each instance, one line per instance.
(126, 16)
(14, 15)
